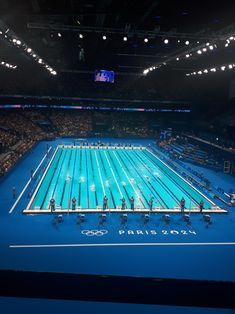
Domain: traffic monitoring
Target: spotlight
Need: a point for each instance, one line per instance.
(223, 68)
(230, 66)
(40, 61)
(34, 55)
(177, 59)
(146, 71)
(18, 42)
(124, 38)
(198, 42)
(166, 41)
(80, 36)
(213, 70)
(199, 72)
(204, 49)
(1, 32)
(151, 69)
(59, 34)
(205, 71)
(53, 73)
(29, 50)
(104, 37)
(199, 52)
(178, 41)
(187, 56)
(231, 38)
(187, 42)
(226, 45)
(207, 44)
(146, 40)
(2, 62)
(211, 47)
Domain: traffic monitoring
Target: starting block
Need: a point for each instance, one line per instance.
(123, 218)
(166, 218)
(103, 218)
(186, 217)
(60, 218)
(81, 218)
(146, 218)
(207, 218)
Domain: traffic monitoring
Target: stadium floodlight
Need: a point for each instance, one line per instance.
(59, 34)
(231, 38)
(205, 71)
(178, 41)
(204, 49)
(199, 72)
(124, 38)
(177, 59)
(166, 41)
(18, 42)
(223, 68)
(187, 56)
(199, 52)
(151, 69)
(80, 36)
(226, 45)
(34, 55)
(146, 71)
(40, 61)
(187, 43)
(104, 37)
(211, 47)
(29, 50)
(213, 69)
(230, 66)
(207, 44)
(53, 72)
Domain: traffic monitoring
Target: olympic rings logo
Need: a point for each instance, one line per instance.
(91, 233)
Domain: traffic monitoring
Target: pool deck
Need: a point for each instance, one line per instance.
(199, 250)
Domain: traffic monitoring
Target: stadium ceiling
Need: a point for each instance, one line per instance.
(69, 35)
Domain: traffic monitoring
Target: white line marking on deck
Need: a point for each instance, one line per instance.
(28, 246)
(27, 184)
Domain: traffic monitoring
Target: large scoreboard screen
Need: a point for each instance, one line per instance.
(104, 76)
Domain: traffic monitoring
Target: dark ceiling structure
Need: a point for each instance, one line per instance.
(66, 38)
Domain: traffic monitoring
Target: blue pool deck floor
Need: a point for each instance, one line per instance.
(153, 249)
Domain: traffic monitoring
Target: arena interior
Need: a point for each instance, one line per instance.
(117, 156)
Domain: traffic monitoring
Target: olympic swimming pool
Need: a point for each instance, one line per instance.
(90, 172)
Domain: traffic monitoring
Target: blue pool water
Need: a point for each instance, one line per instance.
(90, 173)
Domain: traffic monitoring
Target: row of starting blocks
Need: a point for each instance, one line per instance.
(124, 218)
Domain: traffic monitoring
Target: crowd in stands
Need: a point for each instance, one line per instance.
(21, 129)
(179, 147)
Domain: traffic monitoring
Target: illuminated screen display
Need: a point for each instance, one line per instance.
(104, 76)
(90, 107)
